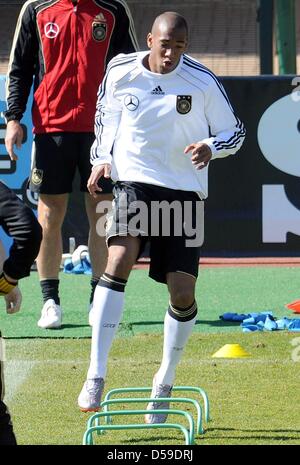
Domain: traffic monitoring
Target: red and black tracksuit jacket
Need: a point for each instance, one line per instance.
(66, 46)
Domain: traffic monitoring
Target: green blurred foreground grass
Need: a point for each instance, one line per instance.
(253, 401)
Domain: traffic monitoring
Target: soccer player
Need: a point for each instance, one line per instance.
(19, 222)
(161, 117)
(65, 45)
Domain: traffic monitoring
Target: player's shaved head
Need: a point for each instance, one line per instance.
(170, 21)
(167, 42)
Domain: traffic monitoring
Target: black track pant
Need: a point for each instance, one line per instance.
(20, 223)
(7, 437)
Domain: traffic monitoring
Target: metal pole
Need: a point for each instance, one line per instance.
(286, 36)
(265, 18)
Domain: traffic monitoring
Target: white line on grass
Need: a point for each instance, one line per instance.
(186, 362)
(15, 373)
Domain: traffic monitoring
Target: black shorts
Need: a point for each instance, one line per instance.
(55, 158)
(172, 220)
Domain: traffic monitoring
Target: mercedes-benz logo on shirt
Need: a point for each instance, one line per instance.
(131, 102)
(51, 30)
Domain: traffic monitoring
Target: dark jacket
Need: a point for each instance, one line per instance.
(66, 46)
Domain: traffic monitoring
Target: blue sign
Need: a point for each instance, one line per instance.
(15, 174)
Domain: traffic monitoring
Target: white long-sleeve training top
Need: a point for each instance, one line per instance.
(144, 121)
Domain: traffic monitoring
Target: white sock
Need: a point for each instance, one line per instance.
(176, 334)
(108, 306)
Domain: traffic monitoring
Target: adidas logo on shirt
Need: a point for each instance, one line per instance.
(157, 91)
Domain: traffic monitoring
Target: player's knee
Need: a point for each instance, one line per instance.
(182, 297)
(119, 263)
(50, 218)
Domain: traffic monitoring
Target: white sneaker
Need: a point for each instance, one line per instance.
(158, 390)
(90, 397)
(51, 315)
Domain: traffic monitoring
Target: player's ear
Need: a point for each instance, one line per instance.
(186, 46)
(149, 40)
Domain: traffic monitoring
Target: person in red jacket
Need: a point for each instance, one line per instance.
(65, 45)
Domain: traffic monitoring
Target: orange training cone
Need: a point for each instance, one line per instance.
(295, 306)
(231, 351)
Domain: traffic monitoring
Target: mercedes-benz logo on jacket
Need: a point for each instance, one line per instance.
(51, 30)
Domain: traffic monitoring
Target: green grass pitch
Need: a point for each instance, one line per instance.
(253, 400)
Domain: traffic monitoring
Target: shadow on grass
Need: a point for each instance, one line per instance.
(215, 323)
(257, 430)
(152, 440)
(255, 434)
(285, 434)
(218, 323)
(69, 325)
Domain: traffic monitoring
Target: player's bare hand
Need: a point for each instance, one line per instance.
(97, 173)
(13, 137)
(13, 300)
(201, 154)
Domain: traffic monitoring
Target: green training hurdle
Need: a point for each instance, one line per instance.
(106, 403)
(198, 390)
(188, 434)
